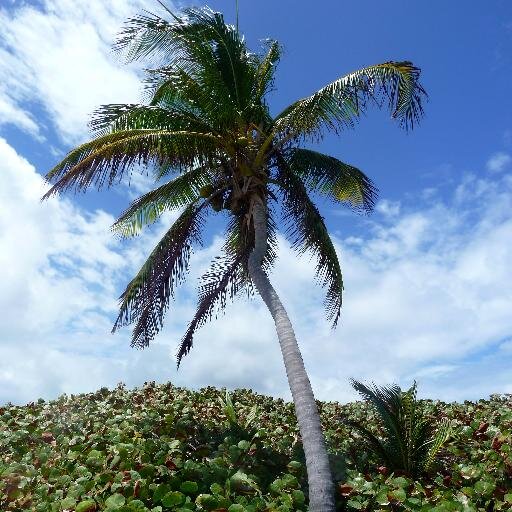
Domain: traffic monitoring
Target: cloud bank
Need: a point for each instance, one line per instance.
(427, 296)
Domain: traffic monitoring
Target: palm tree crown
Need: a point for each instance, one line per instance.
(208, 137)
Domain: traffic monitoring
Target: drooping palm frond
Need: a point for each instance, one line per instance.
(307, 231)
(146, 297)
(107, 158)
(341, 102)
(177, 193)
(334, 178)
(412, 440)
(224, 278)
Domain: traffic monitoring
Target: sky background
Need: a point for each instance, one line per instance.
(427, 276)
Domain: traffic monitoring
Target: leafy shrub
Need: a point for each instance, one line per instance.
(162, 448)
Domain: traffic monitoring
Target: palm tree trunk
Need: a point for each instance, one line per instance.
(321, 486)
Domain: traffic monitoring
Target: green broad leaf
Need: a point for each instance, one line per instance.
(189, 487)
(484, 487)
(236, 508)
(137, 505)
(216, 488)
(173, 498)
(115, 461)
(115, 501)
(294, 466)
(400, 481)
(242, 482)
(244, 445)
(289, 481)
(382, 498)
(86, 506)
(398, 494)
(298, 497)
(156, 509)
(355, 504)
(508, 498)
(161, 491)
(68, 503)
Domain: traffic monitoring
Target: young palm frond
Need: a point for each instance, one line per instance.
(412, 440)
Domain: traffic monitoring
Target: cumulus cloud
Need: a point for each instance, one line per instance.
(498, 162)
(57, 55)
(427, 297)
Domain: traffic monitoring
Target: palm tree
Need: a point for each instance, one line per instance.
(206, 132)
(412, 440)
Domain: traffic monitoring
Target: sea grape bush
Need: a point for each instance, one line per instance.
(162, 448)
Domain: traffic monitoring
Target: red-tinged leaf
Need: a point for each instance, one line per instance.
(136, 489)
(345, 489)
(383, 470)
(170, 464)
(47, 437)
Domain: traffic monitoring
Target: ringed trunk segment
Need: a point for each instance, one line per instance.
(321, 485)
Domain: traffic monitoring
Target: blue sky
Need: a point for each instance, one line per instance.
(427, 276)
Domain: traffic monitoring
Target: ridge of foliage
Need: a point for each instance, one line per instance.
(163, 448)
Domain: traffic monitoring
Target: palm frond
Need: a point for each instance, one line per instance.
(442, 435)
(172, 117)
(307, 231)
(340, 103)
(224, 278)
(412, 441)
(380, 448)
(175, 194)
(146, 297)
(387, 401)
(334, 178)
(266, 69)
(107, 158)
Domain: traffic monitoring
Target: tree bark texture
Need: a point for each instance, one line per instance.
(321, 485)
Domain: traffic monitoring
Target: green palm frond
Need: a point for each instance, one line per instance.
(170, 116)
(146, 297)
(266, 68)
(307, 231)
(224, 278)
(441, 436)
(334, 178)
(412, 441)
(380, 448)
(200, 43)
(108, 157)
(341, 102)
(387, 401)
(177, 193)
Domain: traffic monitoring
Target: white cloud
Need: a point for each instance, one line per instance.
(498, 162)
(388, 208)
(425, 295)
(58, 56)
(423, 298)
